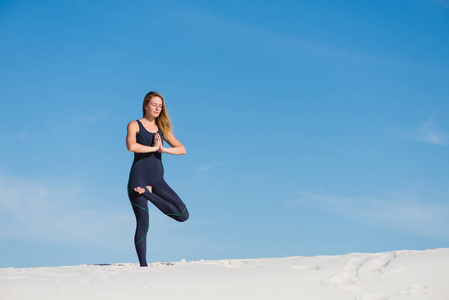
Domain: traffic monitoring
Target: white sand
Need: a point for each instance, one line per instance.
(390, 275)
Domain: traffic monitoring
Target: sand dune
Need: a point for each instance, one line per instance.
(370, 276)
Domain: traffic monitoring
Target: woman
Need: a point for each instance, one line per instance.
(146, 179)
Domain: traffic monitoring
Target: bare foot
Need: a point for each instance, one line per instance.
(141, 190)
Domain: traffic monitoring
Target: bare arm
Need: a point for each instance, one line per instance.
(176, 147)
(131, 143)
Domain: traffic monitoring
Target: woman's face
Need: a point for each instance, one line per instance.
(154, 107)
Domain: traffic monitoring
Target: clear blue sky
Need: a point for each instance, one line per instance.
(311, 127)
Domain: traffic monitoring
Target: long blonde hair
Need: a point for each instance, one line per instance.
(162, 121)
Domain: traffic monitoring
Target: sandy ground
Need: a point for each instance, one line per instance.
(370, 276)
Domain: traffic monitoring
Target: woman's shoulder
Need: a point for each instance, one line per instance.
(133, 125)
(135, 122)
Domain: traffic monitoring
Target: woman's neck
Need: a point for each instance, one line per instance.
(150, 120)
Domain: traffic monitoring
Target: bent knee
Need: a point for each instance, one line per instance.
(184, 217)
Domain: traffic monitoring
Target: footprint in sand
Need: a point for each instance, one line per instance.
(415, 290)
(359, 270)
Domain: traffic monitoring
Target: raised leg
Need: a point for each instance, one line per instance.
(167, 201)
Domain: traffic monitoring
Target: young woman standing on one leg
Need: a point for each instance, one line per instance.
(146, 178)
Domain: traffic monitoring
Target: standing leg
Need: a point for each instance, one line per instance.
(140, 207)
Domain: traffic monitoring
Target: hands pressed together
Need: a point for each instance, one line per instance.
(158, 143)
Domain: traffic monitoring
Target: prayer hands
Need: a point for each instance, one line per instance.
(158, 143)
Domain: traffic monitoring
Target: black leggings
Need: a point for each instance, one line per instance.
(166, 200)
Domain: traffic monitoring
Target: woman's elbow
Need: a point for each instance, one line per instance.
(130, 147)
(183, 150)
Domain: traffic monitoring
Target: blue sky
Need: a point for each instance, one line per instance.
(311, 127)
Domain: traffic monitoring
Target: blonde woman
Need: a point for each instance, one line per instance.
(146, 178)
